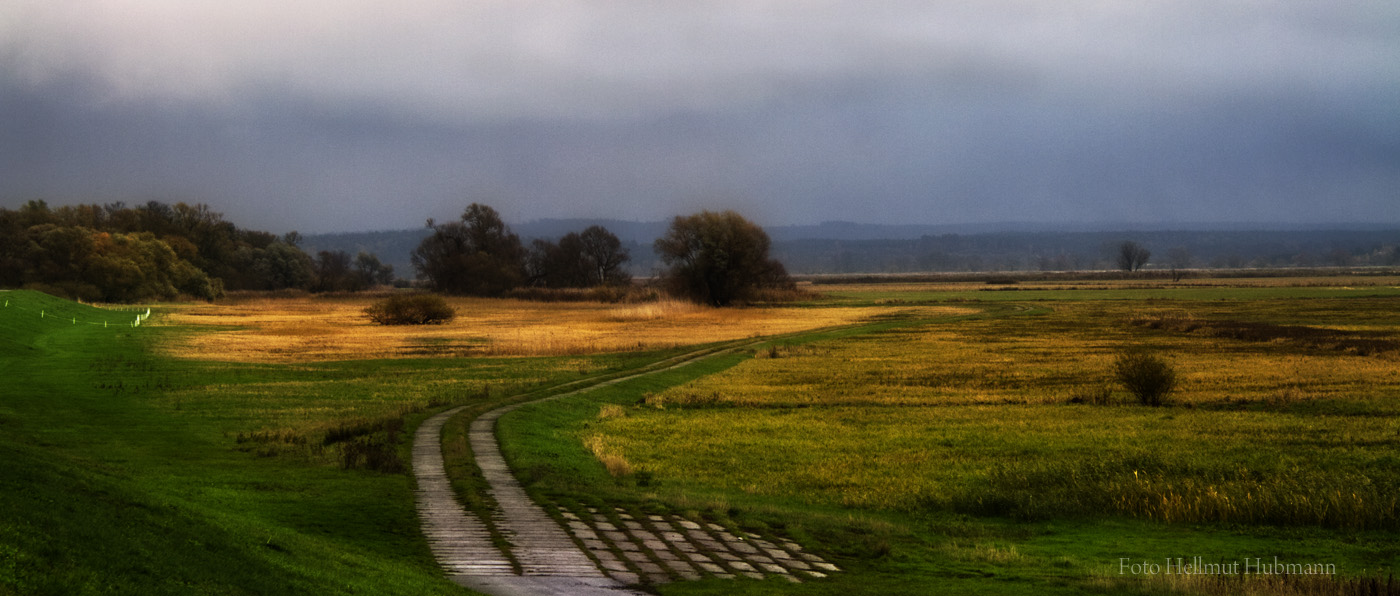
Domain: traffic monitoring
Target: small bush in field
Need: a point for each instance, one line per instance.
(1146, 376)
(412, 309)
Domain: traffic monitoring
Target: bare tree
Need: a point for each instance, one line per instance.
(604, 253)
(1132, 256)
(370, 272)
(332, 272)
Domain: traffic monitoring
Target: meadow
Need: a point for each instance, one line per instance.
(265, 451)
(995, 454)
(954, 438)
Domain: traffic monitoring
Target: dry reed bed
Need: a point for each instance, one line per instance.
(308, 329)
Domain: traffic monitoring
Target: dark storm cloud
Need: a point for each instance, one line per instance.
(357, 115)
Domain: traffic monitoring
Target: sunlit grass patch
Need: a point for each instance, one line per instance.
(321, 329)
(616, 464)
(1059, 357)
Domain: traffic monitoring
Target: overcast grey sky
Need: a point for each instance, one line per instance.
(338, 115)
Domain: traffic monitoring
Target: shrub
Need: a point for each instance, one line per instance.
(413, 309)
(369, 454)
(1146, 376)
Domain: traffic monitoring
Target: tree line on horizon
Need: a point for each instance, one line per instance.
(713, 258)
(156, 251)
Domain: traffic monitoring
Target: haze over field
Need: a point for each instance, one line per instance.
(333, 116)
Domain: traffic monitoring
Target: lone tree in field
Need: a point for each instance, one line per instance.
(718, 258)
(1132, 256)
(478, 256)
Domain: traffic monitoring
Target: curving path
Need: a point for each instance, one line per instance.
(550, 562)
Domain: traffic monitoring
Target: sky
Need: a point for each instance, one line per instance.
(349, 115)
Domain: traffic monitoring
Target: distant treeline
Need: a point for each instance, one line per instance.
(1079, 251)
(712, 258)
(970, 252)
(155, 251)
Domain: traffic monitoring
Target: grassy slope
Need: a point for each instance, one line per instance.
(104, 488)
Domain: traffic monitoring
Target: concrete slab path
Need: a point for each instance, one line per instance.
(550, 561)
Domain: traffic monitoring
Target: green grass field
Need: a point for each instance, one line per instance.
(922, 452)
(949, 456)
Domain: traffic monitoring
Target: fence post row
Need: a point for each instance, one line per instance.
(44, 314)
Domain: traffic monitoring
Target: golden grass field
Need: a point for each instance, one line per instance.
(1049, 359)
(309, 329)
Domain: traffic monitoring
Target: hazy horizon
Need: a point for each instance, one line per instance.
(355, 116)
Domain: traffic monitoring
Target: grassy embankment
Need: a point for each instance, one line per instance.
(122, 471)
(959, 456)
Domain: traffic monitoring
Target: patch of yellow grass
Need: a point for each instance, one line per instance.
(311, 329)
(616, 464)
(611, 411)
(1050, 359)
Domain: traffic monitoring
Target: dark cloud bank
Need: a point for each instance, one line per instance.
(347, 116)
